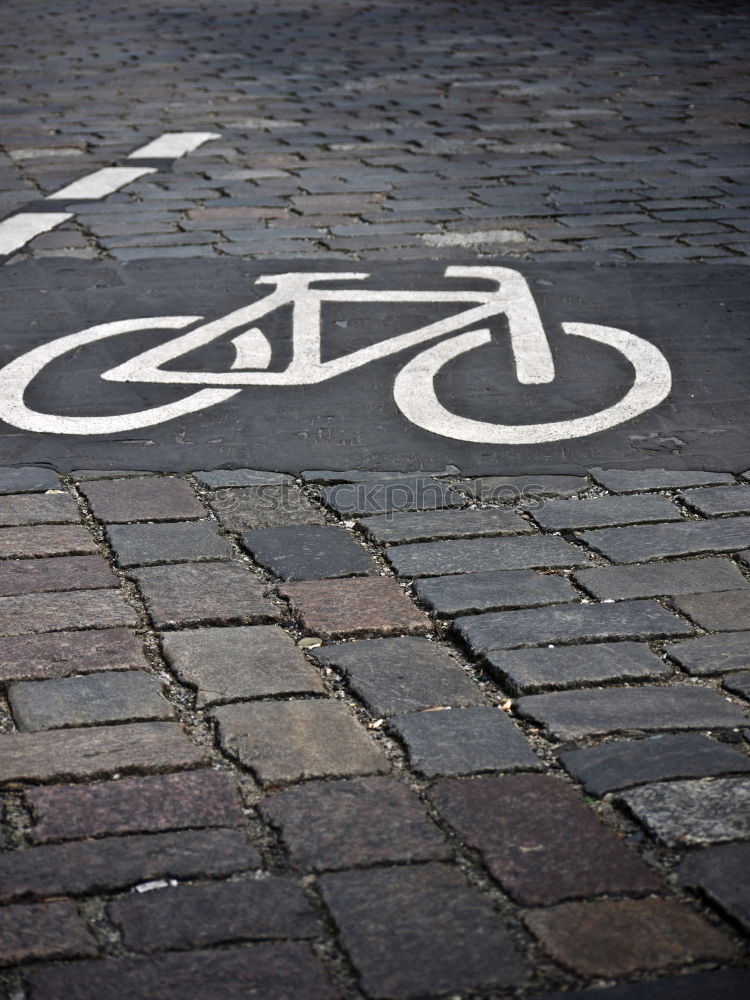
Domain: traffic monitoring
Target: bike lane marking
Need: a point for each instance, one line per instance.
(18, 229)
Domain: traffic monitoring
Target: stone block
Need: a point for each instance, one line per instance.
(400, 675)
(224, 478)
(56, 612)
(681, 576)
(269, 506)
(353, 823)
(36, 576)
(423, 525)
(712, 654)
(727, 611)
(43, 931)
(599, 512)
(463, 593)
(203, 593)
(156, 498)
(525, 488)
(404, 494)
(694, 812)
(659, 541)
(631, 481)
(420, 931)
(612, 938)
(738, 684)
(202, 798)
(723, 875)
(718, 500)
(356, 607)
(482, 554)
(569, 715)
(46, 540)
(27, 479)
(39, 508)
(539, 840)
(308, 553)
(285, 741)
(568, 622)
(180, 541)
(228, 664)
(525, 671)
(623, 763)
(36, 657)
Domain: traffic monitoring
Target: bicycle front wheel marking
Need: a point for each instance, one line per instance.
(414, 391)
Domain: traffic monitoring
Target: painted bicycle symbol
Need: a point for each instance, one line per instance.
(414, 388)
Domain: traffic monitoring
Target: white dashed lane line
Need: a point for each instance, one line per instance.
(21, 228)
(17, 230)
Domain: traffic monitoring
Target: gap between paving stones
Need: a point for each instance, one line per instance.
(468, 861)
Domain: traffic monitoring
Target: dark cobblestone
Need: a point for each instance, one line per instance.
(27, 479)
(490, 591)
(725, 611)
(182, 541)
(506, 488)
(563, 515)
(223, 478)
(415, 493)
(269, 506)
(308, 553)
(422, 526)
(352, 823)
(33, 576)
(631, 481)
(658, 541)
(718, 500)
(721, 874)
(682, 576)
(482, 554)
(43, 930)
(420, 930)
(620, 764)
(738, 684)
(712, 654)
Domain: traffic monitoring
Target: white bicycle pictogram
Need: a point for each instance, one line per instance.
(414, 389)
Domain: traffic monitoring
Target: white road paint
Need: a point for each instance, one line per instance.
(481, 236)
(100, 183)
(173, 145)
(20, 228)
(414, 391)
(414, 386)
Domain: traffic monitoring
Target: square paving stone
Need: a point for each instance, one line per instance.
(35, 576)
(631, 481)
(727, 611)
(723, 875)
(623, 763)
(524, 671)
(564, 515)
(96, 751)
(87, 866)
(27, 479)
(183, 541)
(35, 657)
(659, 541)
(46, 540)
(408, 493)
(514, 488)
(268, 506)
(462, 593)
(55, 612)
(42, 508)
(353, 823)
(284, 741)
(308, 553)
(621, 937)
(712, 654)
(738, 684)
(203, 798)
(420, 931)
(568, 623)
(227, 664)
(359, 606)
(192, 916)
(481, 554)
(223, 478)
(718, 500)
(539, 840)
(573, 714)
(422, 525)
(44, 930)
(154, 498)
(701, 811)
(464, 741)
(115, 696)
(401, 675)
(196, 593)
(682, 576)
(273, 971)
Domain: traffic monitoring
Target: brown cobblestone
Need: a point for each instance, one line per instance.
(621, 937)
(39, 508)
(33, 576)
(55, 612)
(34, 657)
(538, 838)
(46, 540)
(359, 606)
(203, 798)
(43, 930)
(96, 751)
(149, 499)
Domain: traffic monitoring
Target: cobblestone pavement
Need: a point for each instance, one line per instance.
(359, 735)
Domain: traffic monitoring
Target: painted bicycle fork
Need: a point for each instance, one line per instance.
(414, 386)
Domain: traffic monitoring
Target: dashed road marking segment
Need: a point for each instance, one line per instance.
(21, 228)
(18, 229)
(100, 183)
(173, 145)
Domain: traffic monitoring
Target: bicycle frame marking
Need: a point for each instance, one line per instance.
(414, 386)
